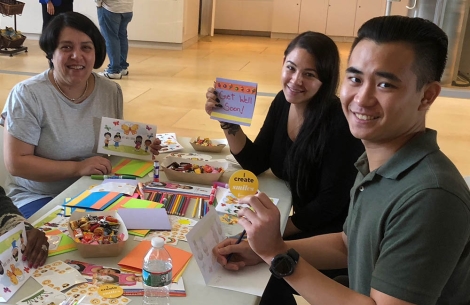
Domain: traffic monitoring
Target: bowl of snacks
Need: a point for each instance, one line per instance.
(206, 144)
(190, 171)
(98, 234)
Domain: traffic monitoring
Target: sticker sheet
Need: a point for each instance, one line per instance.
(89, 293)
(126, 139)
(169, 141)
(191, 156)
(44, 296)
(227, 203)
(54, 220)
(58, 276)
(13, 271)
(180, 226)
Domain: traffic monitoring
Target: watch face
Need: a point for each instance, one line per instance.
(283, 265)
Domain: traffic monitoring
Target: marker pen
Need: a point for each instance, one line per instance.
(156, 171)
(220, 184)
(212, 196)
(102, 177)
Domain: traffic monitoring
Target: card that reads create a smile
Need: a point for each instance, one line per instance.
(237, 101)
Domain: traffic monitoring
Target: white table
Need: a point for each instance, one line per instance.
(196, 290)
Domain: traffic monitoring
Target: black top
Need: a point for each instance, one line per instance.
(10, 216)
(327, 203)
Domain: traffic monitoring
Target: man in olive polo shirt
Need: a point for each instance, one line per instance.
(407, 237)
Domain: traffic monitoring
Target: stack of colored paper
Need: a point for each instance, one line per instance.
(133, 260)
(93, 200)
(134, 203)
(130, 167)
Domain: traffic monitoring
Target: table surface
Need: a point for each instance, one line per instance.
(196, 290)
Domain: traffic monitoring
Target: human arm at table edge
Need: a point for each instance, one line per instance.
(317, 288)
(20, 161)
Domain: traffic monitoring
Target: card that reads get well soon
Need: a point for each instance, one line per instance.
(237, 100)
(126, 139)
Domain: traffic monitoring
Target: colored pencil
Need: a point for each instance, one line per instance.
(175, 206)
(188, 200)
(196, 204)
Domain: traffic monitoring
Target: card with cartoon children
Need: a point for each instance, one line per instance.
(126, 139)
(13, 271)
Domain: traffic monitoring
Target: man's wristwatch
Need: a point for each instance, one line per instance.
(284, 264)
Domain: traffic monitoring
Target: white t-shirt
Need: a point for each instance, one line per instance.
(118, 6)
(39, 115)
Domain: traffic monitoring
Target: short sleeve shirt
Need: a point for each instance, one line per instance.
(408, 227)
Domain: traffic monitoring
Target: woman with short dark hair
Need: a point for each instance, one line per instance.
(52, 119)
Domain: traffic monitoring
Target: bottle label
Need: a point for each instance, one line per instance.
(156, 279)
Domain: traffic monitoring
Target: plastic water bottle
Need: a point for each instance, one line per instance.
(156, 274)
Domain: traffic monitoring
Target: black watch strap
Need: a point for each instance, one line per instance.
(293, 254)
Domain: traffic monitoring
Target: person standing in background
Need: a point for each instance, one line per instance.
(113, 17)
(52, 8)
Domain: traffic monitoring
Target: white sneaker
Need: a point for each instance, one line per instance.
(124, 72)
(111, 75)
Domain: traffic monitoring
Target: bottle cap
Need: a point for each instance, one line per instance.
(157, 242)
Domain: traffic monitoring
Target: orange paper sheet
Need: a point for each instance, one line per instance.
(133, 260)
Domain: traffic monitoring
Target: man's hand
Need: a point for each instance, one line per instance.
(36, 250)
(262, 225)
(50, 8)
(242, 255)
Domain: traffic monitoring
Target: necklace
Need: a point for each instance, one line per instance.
(72, 99)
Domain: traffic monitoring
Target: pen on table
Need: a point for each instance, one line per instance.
(238, 241)
(220, 184)
(102, 177)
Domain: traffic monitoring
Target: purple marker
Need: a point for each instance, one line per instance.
(220, 184)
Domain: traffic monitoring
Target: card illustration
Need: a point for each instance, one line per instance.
(126, 138)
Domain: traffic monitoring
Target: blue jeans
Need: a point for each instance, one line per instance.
(114, 30)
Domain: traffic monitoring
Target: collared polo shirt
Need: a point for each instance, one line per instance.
(408, 227)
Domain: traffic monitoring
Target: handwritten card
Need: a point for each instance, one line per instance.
(203, 237)
(13, 271)
(126, 138)
(237, 100)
